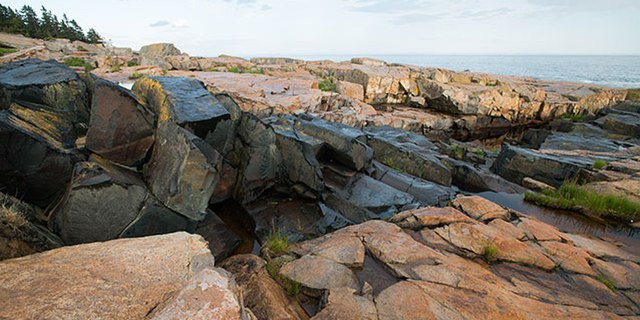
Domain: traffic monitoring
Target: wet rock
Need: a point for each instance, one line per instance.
(183, 171)
(344, 303)
(480, 208)
(347, 145)
(466, 176)
(408, 152)
(137, 273)
(260, 293)
(319, 273)
(33, 164)
(428, 193)
(222, 240)
(536, 185)
(154, 218)
(20, 231)
(184, 101)
(226, 184)
(515, 164)
(154, 54)
(210, 294)
(120, 129)
(52, 85)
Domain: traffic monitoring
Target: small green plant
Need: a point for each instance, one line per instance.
(115, 68)
(277, 242)
(457, 151)
(599, 164)
(131, 63)
(573, 117)
(490, 252)
(77, 62)
(291, 287)
(4, 51)
(389, 162)
(571, 196)
(234, 69)
(327, 85)
(136, 75)
(606, 282)
(165, 72)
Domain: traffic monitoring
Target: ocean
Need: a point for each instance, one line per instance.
(612, 71)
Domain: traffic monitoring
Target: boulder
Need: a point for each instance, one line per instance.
(34, 164)
(480, 208)
(222, 240)
(408, 152)
(345, 303)
(184, 101)
(57, 89)
(346, 145)
(183, 170)
(624, 123)
(515, 164)
(105, 202)
(319, 273)
(351, 90)
(154, 54)
(134, 276)
(260, 292)
(120, 128)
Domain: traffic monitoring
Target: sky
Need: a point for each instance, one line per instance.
(355, 27)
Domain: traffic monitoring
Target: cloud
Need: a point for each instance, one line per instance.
(388, 6)
(485, 14)
(176, 24)
(416, 18)
(266, 7)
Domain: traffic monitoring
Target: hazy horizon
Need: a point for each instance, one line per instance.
(370, 27)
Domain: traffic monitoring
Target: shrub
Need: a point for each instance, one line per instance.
(77, 62)
(571, 196)
(599, 164)
(234, 69)
(131, 63)
(327, 85)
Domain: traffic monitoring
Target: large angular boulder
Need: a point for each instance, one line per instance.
(184, 101)
(346, 144)
(222, 240)
(408, 152)
(120, 128)
(183, 170)
(34, 163)
(120, 279)
(154, 54)
(105, 202)
(515, 164)
(55, 87)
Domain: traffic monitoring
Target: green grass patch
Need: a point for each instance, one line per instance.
(606, 282)
(277, 242)
(572, 117)
(4, 51)
(490, 252)
(291, 287)
(136, 75)
(457, 151)
(115, 68)
(571, 196)
(77, 62)
(234, 69)
(131, 63)
(327, 85)
(599, 164)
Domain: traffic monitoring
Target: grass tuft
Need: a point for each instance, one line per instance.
(77, 62)
(4, 51)
(606, 282)
(599, 164)
(136, 75)
(458, 152)
(327, 85)
(277, 242)
(115, 68)
(131, 63)
(490, 252)
(571, 196)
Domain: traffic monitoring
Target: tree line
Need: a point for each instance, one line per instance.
(46, 26)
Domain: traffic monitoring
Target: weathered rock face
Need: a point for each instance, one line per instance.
(154, 54)
(136, 275)
(120, 129)
(105, 202)
(260, 292)
(515, 164)
(183, 170)
(222, 240)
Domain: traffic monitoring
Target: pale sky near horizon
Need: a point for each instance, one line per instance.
(341, 27)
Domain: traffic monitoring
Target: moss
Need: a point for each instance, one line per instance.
(77, 62)
(571, 196)
(277, 242)
(4, 51)
(391, 164)
(327, 85)
(606, 282)
(599, 164)
(490, 252)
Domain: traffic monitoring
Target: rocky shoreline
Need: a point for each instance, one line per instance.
(353, 177)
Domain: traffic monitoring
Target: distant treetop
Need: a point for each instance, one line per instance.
(46, 26)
